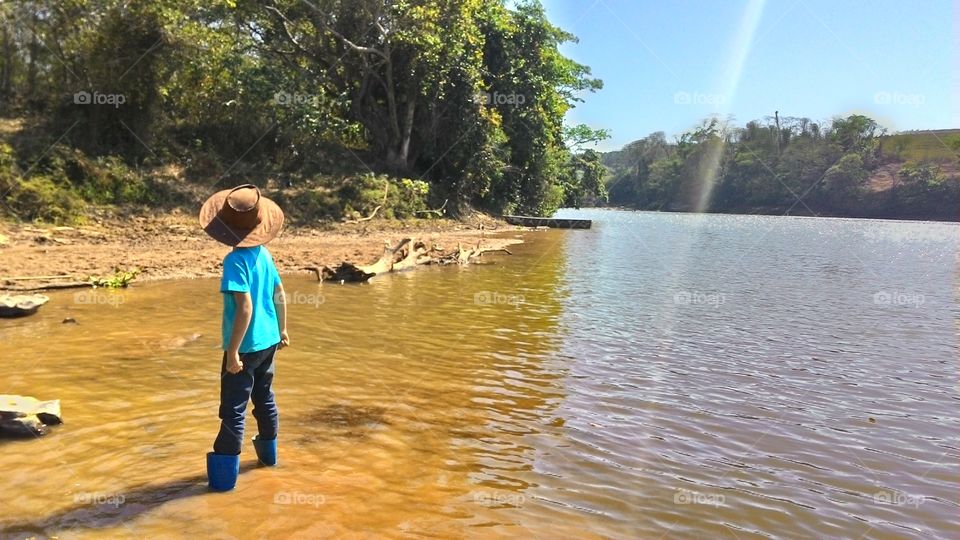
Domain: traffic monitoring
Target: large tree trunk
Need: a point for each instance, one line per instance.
(6, 68)
(408, 253)
(407, 132)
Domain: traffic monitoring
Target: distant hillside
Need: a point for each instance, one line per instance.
(782, 165)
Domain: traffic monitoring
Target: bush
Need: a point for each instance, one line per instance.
(104, 180)
(923, 174)
(40, 198)
(312, 205)
(58, 183)
(404, 197)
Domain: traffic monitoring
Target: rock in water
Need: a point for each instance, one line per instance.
(21, 426)
(22, 416)
(21, 305)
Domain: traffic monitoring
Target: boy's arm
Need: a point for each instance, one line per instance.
(241, 321)
(280, 302)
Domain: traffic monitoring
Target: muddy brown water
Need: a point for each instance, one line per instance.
(659, 376)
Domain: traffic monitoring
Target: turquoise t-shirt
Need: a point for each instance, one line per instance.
(251, 270)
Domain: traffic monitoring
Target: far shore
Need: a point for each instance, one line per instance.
(34, 257)
(798, 211)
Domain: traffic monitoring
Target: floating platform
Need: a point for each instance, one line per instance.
(553, 223)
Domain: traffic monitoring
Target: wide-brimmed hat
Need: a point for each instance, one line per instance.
(241, 217)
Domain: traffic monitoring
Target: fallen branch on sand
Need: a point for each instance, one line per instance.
(408, 253)
(386, 191)
(368, 218)
(438, 211)
(49, 286)
(34, 278)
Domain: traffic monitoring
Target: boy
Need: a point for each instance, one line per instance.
(254, 326)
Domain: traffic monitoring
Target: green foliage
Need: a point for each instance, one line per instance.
(855, 133)
(799, 167)
(399, 199)
(102, 180)
(844, 180)
(40, 198)
(310, 205)
(953, 143)
(581, 134)
(586, 182)
(354, 197)
(233, 89)
(119, 279)
(922, 174)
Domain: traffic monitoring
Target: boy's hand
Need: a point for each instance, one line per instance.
(284, 339)
(234, 364)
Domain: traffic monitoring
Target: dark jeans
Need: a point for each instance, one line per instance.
(254, 382)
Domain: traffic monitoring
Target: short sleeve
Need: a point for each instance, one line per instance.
(235, 275)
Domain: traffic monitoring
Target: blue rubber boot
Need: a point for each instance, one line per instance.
(222, 471)
(266, 450)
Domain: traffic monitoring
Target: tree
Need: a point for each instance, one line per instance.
(855, 133)
(586, 182)
(843, 181)
(469, 95)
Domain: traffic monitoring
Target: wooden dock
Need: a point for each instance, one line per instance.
(553, 223)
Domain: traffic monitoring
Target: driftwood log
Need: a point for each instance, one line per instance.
(22, 416)
(408, 253)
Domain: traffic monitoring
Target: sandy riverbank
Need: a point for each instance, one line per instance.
(174, 247)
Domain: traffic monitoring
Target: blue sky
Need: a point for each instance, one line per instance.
(667, 64)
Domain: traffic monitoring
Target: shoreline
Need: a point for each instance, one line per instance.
(760, 213)
(778, 212)
(174, 247)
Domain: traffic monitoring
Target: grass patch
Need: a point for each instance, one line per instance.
(119, 280)
(933, 145)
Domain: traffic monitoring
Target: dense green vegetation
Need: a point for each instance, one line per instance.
(330, 103)
(791, 165)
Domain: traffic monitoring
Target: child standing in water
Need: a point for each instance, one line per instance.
(254, 326)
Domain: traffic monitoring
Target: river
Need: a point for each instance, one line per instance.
(658, 376)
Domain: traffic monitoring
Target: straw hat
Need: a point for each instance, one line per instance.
(241, 217)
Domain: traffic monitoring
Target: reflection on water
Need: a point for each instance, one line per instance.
(659, 375)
